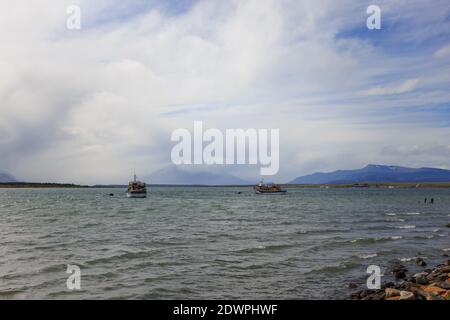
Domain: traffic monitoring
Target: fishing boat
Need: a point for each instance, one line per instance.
(136, 189)
(271, 188)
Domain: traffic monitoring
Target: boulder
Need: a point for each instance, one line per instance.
(422, 280)
(406, 295)
(433, 289)
(391, 292)
(420, 262)
(399, 274)
(444, 285)
(351, 285)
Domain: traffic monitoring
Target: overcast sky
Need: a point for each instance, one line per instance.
(92, 105)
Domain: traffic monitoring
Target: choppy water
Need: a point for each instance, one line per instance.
(186, 242)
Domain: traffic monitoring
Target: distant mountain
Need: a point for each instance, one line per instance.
(184, 176)
(6, 177)
(377, 173)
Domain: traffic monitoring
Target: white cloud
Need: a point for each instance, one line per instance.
(442, 52)
(89, 106)
(404, 87)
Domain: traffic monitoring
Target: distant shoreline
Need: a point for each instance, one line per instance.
(369, 185)
(15, 185)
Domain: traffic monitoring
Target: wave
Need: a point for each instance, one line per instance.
(325, 230)
(265, 248)
(373, 240)
(406, 227)
(413, 213)
(391, 214)
(407, 259)
(395, 220)
(334, 268)
(368, 256)
(428, 237)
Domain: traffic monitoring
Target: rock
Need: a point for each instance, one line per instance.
(406, 295)
(420, 274)
(379, 296)
(355, 296)
(351, 285)
(412, 279)
(433, 289)
(444, 285)
(430, 284)
(404, 286)
(399, 267)
(399, 274)
(368, 295)
(420, 294)
(420, 262)
(391, 292)
(435, 274)
(422, 280)
(448, 225)
(399, 271)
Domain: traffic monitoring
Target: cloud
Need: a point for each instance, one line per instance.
(405, 87)
(442, 52)
(91, 105)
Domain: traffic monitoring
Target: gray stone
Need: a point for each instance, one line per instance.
(422, 280)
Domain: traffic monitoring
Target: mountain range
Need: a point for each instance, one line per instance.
(179, 175)
(6, 177)
(185, 175)
(376, 173)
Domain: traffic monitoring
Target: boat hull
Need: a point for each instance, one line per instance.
(136, 195)
(273, 193)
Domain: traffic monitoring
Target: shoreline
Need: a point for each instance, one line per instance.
(371, 185)
(429, 284)
(21, 185)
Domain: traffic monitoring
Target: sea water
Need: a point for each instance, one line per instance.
(213, 243)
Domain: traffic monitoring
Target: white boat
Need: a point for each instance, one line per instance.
(136, 189)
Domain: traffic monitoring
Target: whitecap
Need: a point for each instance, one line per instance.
(406, 227)
(368, 256)
(413, 213)
(395, 220)
(407, 259)
(396, 237)
(391, 214)
(424, 237)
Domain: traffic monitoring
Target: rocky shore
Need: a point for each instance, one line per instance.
(430, 284)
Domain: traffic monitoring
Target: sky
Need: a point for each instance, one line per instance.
(93, 105)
